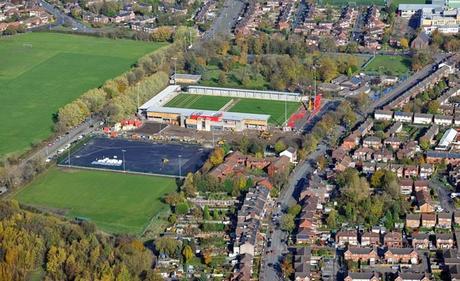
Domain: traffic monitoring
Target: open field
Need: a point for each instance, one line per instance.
(40, 72)
(198, 102)
(245, 105)
(116, 202)
(273, 108)
(392, 65)
(397, 2)
(353, 3)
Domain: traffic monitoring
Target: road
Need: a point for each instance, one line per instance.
(224, 23)
(62, 18)
(85, 128)
(443, 195)
(406, 84)
(286, 198)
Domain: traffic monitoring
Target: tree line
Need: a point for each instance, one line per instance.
(60, 250)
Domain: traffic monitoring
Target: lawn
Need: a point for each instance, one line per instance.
(40, 72)
(391, 65)
(397, 2)
(273, 108)
(198, 102)
(257, 106)
(116, 202)
(353, 3)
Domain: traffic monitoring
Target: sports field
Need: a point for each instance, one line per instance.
(352, 3)
(116, 202)
(256, 106)
(198, 102)
(276, 109)
(390, 65)
(40, 72)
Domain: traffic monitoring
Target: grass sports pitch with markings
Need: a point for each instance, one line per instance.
(244, 105)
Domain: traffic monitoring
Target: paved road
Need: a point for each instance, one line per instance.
(443, 195)
(406, 84)
(85, 128)
(286, 198)
(62, 18)
(224, 23)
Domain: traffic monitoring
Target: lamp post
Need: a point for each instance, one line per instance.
(180, 166)
(124, 164)
(175, 68)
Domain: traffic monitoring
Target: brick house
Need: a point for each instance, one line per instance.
(426, 170)
(410, 171)
(420, 241)
(372, 142)
(428, 220)
(393, 240)
(420, 185)
(401, 255)
(424, 203)
(370, 239)
(406, 186)
(361, 254)
(444, 241)
(412, 276)
(349, 237)
(362, 276)
(444, 220)
(413, 220)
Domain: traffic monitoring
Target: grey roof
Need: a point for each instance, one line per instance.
(225, 114)
(246, 91)
(415, 7)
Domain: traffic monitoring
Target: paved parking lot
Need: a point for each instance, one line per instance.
(140, 156)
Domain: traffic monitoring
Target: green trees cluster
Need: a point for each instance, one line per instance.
(276, 62)
(66, 251)
(357, 206)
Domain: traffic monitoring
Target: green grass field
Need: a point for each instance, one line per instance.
(397, 2)
(273, 108)
(391, 65)
(117, 203)
(40, 72)
(198, 102)
(353, 3)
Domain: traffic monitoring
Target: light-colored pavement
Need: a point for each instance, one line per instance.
(62, 18)
(225, 22)
(270, 269)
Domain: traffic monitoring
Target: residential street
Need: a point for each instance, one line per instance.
(224, 23)
(270, 266)
(62, 18)
(443, 195)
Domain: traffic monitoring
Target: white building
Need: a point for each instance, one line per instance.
(404, 117)
(291, 153)
(421, 118)
(384, 115)
(447, 139)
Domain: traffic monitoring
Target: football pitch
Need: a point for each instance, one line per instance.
(276, 109)
(198, 102)
(40, 72)
(115, 202)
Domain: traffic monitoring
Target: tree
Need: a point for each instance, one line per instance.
(280, 146)
(433, 107)
(217, 156)
(189, 186)
(206, 215)
(327, 69)
(404, 43)
(322, 162)
(207, 257)
(332, 219)
(286, 267)
(425, 144)
(295, 210)
(167, 245)
(287, 222)
(187, 253)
